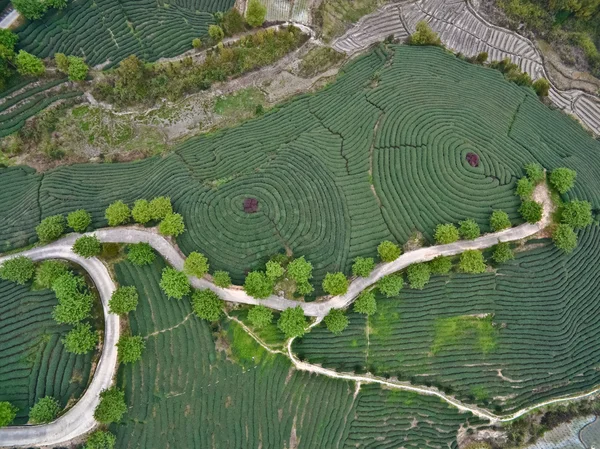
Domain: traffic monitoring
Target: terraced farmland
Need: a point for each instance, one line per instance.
(543, 310)
(34, 361)
(191, 390)
(377, 155)
(107, 31)
(28, 100)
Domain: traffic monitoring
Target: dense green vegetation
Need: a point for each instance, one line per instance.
(134, 82)
(562, 22)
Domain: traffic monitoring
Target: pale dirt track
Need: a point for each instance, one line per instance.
(80, 418)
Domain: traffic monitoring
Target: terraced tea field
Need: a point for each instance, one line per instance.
(198, 386)
(108, 31)
(543, 307)
(26, 100)
(408, 114)
(34, 361)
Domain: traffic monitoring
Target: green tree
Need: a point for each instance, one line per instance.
(255, 13)
(100, 439)
(292, 322)
(221, 279)
(27, 64)
(161, 207)
(499, 221)
(446, 233)
(565, 238)
(87, 246)
(196, 43)
(535, 172)
(123, 300)
(62, 62)
(363, 266)
(502, 252)
(215, 32)
(174, 283)
(207, 305)
(418, 275)
(44, 410)
(440, 265)
(130, 348)
(304, 288)
(366, 303)
(73, 308)
(30, 9)
(50, 228)
(19, 269)
(524, 188)
(469, 229)
(336, 321)
(471, 261)
(172, 225)
(233, 22)
(577, 214)
(140, 253)
(58, 4)
(541, 87)
(531, 211)
(391, 285)
(78, 69)
(481, 58)
(112, 406)
(8, 40)
(562, 179)
(274, 270)
(67, 285)
(117, 213)
(424, 35)
(335, 284)
(258, 285)
(79, 220)
(300, 271)
(196, 264)
(8, 413)
(141, 211)
(260, 316)
(81, 339)
(388, 251)
(48, 271)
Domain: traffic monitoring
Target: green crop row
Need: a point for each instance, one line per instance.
(192, 381)
(107, 31)
(491, 338)
(34, 361)
(379, 154)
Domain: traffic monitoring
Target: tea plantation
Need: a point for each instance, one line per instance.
(34, 361)
(544, 307)
(198, 386)
(108, 31)
(308, 164)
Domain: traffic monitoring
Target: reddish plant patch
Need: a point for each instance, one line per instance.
(473, 159)
(250, 205)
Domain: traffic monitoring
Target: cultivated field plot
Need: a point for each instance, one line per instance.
(198, 387)
(108, 31)
(34, 361)
(26, 100)
(408, 114)
(522, 335)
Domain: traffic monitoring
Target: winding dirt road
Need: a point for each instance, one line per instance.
(80, 418)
